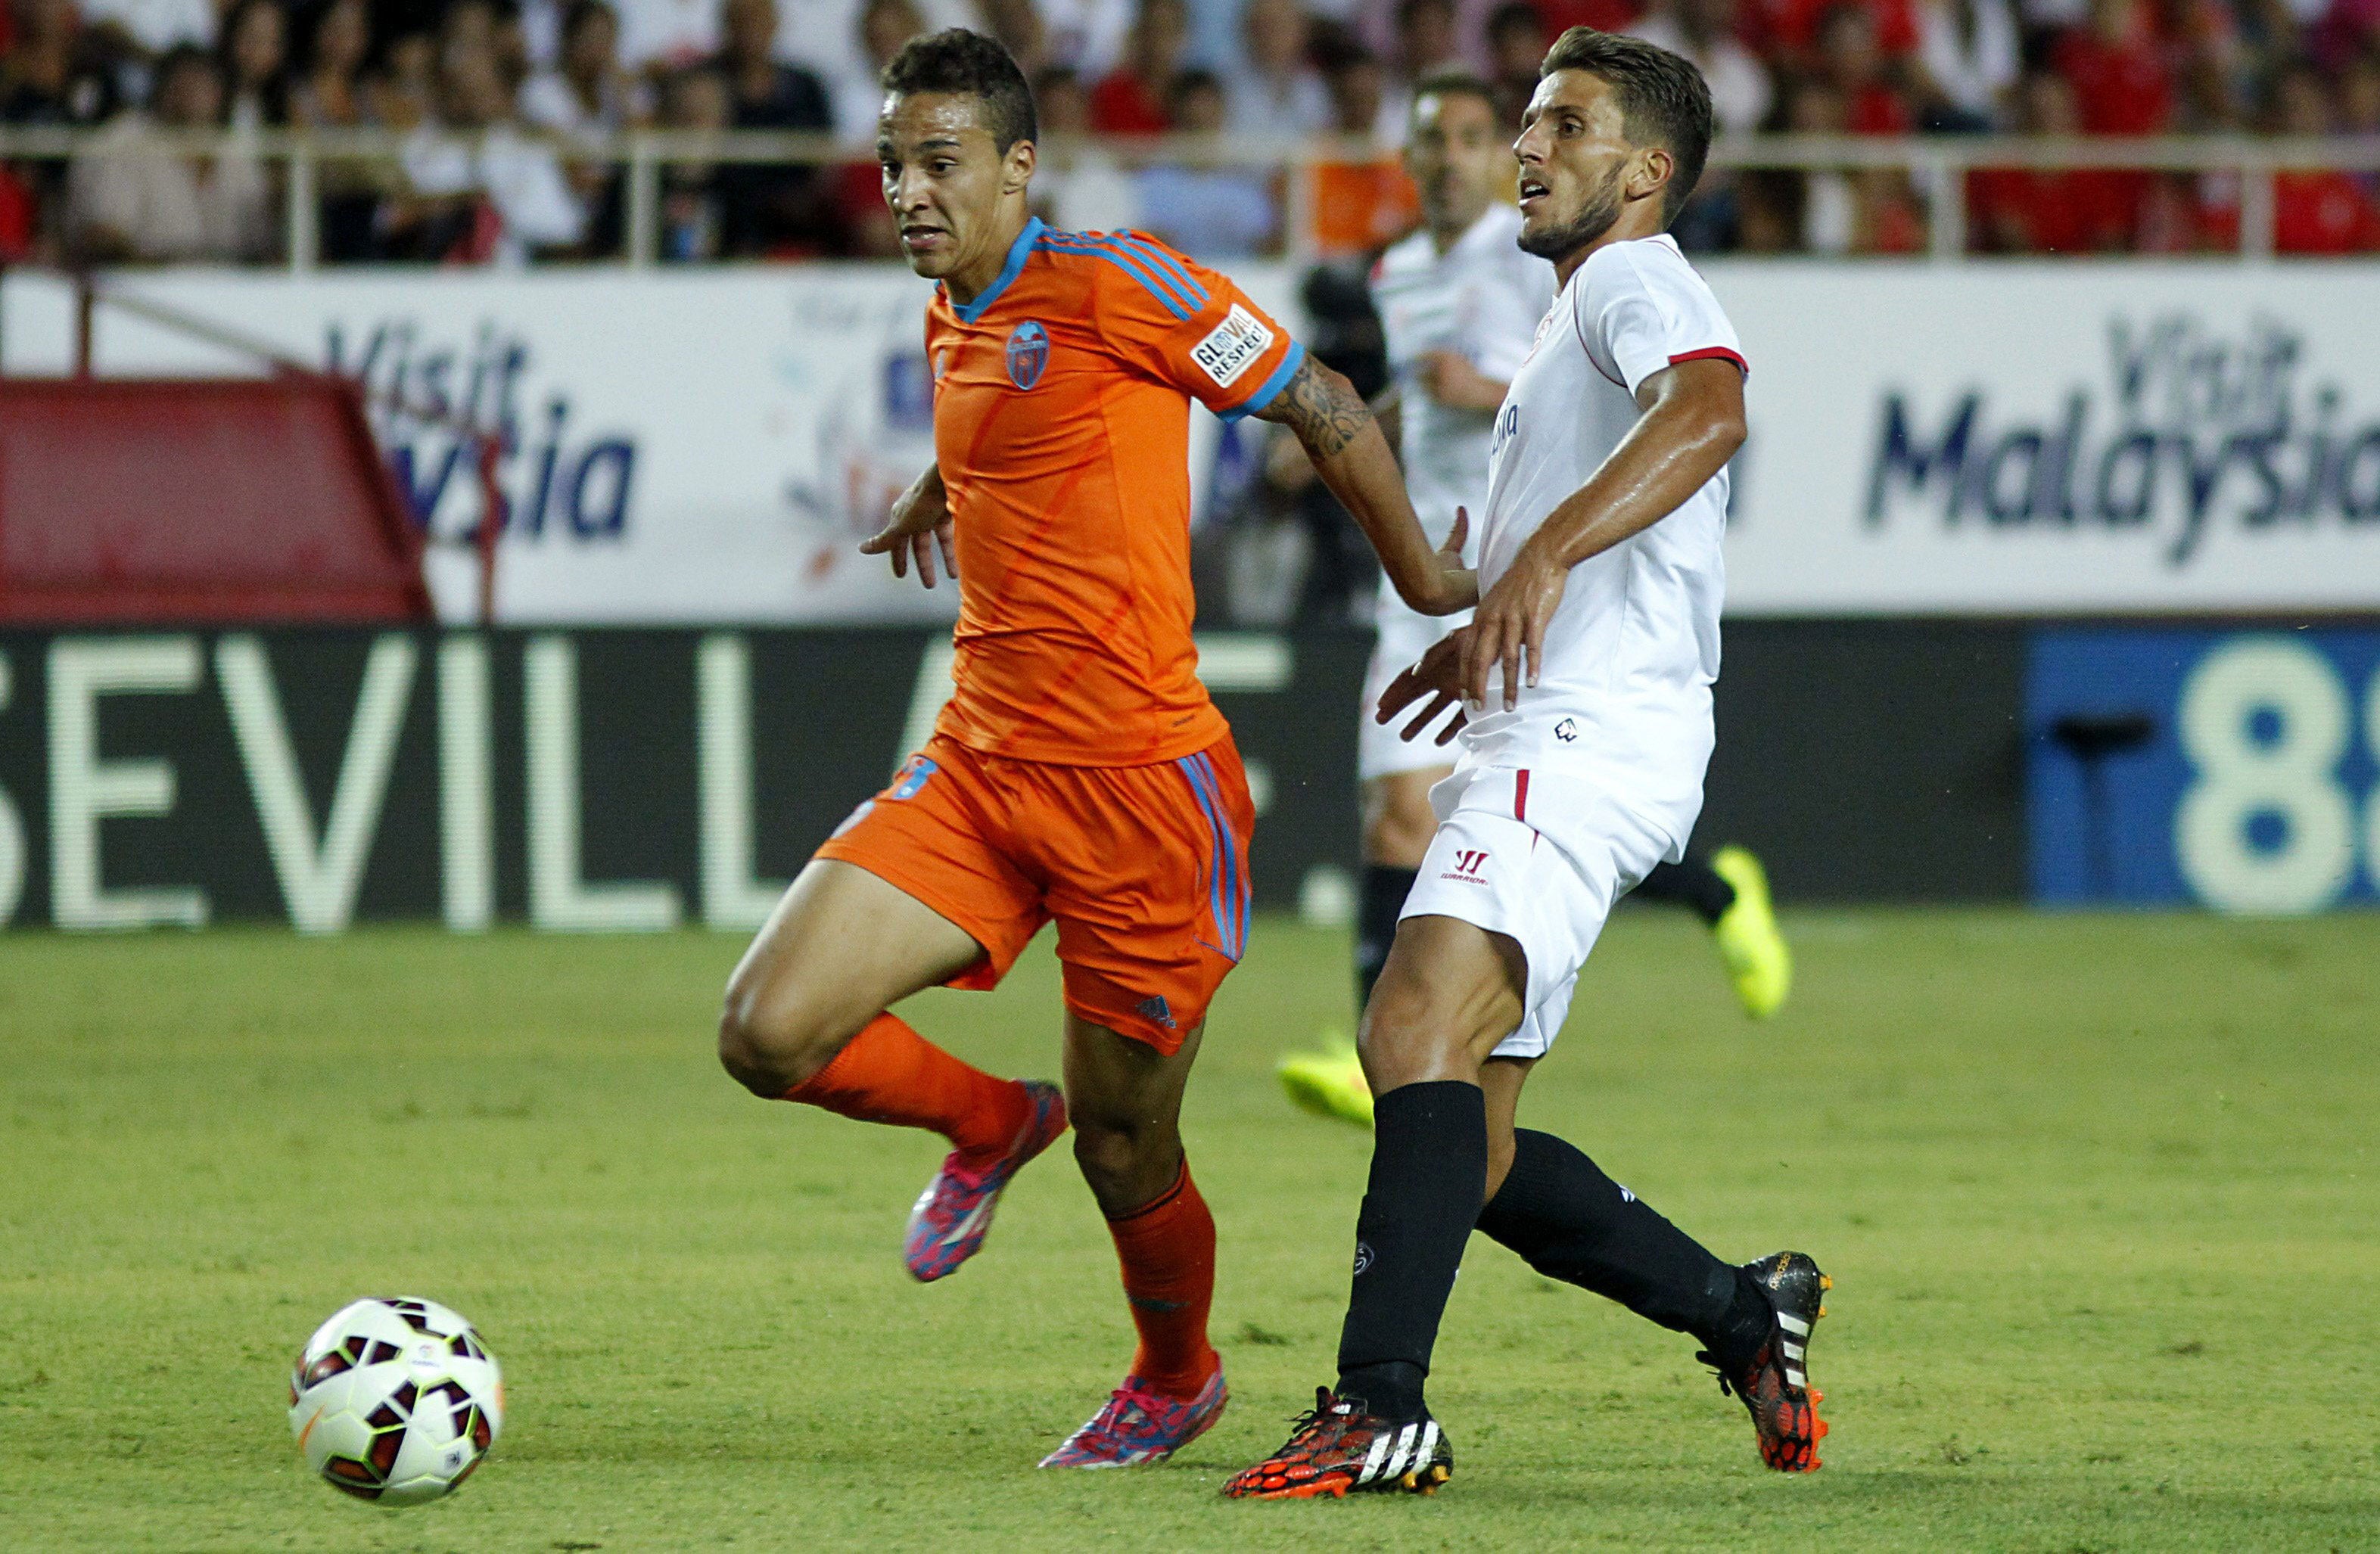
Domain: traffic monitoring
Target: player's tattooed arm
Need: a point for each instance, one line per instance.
(1322, 408)
(1354, 459)
(918, 526)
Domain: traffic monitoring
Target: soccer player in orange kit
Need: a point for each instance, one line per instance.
(1080, 773)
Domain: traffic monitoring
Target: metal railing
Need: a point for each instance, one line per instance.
(1938, 165)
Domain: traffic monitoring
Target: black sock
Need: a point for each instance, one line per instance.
(1385, 889)
(1430, 1169)
(1691, 883)
(1570, 1221)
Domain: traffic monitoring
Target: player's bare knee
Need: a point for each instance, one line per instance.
(1125, 1164)
(771, 1045)
(1416, 1030)
(1105, 1153)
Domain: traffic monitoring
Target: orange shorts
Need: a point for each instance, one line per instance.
(1145, 869)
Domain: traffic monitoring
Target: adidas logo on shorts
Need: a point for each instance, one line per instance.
(1155, 1008)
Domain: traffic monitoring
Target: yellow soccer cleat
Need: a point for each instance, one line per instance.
(1748, 937)
(1329, 1083)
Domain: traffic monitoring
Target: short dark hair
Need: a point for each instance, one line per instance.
(1455, 83)
(959, 61)
(1663, 100)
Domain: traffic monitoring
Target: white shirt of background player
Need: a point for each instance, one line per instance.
(1480, 301)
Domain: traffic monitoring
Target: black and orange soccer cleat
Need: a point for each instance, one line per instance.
(1338, 1447)
(1775, 1386)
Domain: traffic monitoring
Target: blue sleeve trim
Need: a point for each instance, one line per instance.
(1269, 390)
(1096, 249)
(1172, 267)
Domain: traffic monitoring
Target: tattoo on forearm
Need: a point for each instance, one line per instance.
(1322, 408)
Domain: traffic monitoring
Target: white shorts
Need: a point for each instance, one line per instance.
(1406, 635)
(1550, 890)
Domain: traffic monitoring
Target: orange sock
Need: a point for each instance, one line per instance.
(890, 1073)
(1168, 1252)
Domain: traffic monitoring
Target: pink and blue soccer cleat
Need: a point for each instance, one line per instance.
(1138, 1426)
(953, 1214)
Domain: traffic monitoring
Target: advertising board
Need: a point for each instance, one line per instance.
(644, 778)
(679, 448)
(2238, 769)
(1983, 440)
(592, 781)
(2055, 438)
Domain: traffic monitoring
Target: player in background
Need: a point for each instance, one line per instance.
(1600, 561)
(1460, 300)
(1079, 773)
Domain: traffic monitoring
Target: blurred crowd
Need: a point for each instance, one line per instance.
(499, 104)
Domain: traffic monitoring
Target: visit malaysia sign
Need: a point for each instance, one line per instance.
(2075, 438)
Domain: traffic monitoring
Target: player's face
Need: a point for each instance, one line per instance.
(944, 179)
(1456, 157)
(1577, 165)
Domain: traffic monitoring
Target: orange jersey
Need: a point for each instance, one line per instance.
(1061, 427)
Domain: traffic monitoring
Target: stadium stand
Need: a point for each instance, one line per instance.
(475, 131)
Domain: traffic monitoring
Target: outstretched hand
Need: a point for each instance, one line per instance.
(918, 525)
(1439, 676)
(1510, 628)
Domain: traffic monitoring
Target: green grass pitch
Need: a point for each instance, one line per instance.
(2097, 1194)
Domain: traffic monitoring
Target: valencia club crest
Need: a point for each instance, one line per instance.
(1028, 354)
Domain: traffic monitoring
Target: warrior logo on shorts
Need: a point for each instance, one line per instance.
(1468, 863)
(1028, 354)
(1566, 731)
(1363, 1255)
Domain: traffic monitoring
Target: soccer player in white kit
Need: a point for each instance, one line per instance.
(1459, 301)
(1584, 682)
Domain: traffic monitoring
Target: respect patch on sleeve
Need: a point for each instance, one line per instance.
(1233, 346)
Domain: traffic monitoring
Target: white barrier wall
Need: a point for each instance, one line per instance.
(1999, 439)
(682, 448)
(2014, 439)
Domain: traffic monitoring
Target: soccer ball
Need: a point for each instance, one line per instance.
(396, 1401)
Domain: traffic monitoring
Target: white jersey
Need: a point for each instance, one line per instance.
(1481, 299)
(1624, 699)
